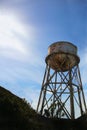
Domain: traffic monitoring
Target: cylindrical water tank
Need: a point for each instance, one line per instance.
(62, 56)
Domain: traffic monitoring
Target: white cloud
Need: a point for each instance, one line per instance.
(11, 32)
(17, 40)
(19, 59)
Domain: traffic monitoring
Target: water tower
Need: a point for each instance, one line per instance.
(62, 93)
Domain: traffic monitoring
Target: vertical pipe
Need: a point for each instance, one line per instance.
(54, 94)
(71, 96)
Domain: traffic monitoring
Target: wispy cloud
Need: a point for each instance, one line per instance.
(19, 57)
(17, 40)
(11, 45)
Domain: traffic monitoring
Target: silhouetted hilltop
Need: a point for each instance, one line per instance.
(17, 114)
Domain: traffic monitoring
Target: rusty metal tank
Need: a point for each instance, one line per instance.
(62, 56)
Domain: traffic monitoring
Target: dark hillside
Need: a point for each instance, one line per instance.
(17, 114)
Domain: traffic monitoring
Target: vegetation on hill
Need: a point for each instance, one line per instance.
(17, 114)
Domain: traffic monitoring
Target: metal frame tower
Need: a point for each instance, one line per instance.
(62, 93)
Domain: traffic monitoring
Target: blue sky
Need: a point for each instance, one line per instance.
(27, 28)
